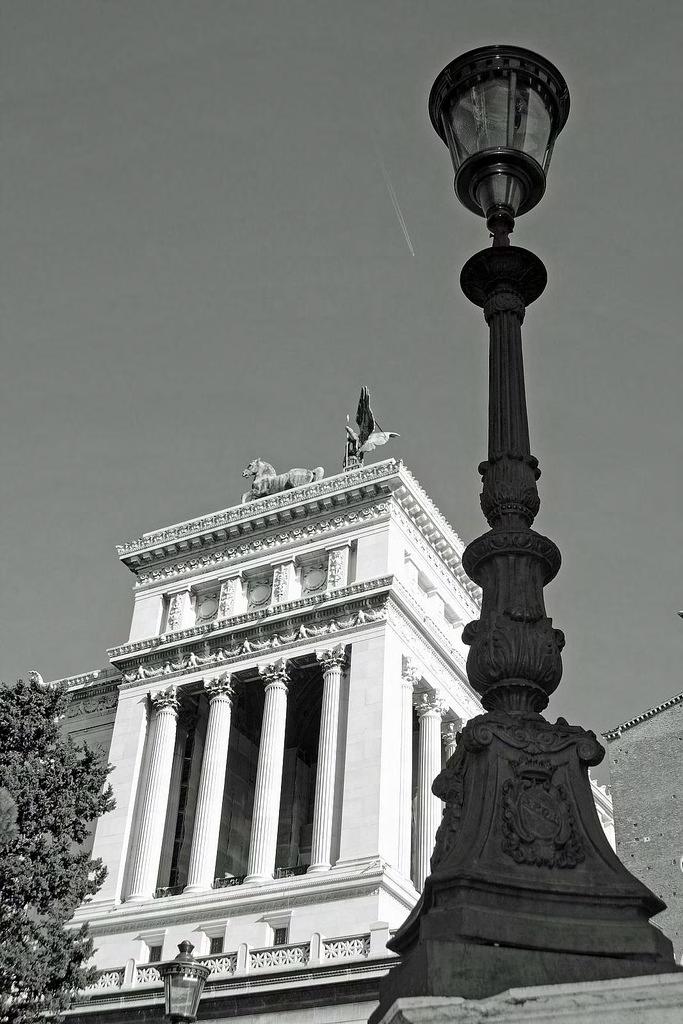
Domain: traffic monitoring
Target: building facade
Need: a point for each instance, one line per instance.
(646, 776)
(293, 681)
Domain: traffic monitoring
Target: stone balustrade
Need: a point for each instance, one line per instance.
(245, 960)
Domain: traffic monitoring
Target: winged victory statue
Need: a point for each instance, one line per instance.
(369, 435)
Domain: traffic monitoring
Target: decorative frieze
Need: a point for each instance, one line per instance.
(206, 607)
(283, 581)
(303, 604)
(297, 535)
(313, 578)
(95, 706)
(259, 590)
(230, 600)
(178, 611)
(194, 527)
(338, 566)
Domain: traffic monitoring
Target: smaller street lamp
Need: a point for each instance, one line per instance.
(499, 110)
(184, 980)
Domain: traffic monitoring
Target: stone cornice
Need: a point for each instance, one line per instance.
(383, 479)
(440, 660)
(99, 680)
(615, 733)
(280, 894)
(270, 511)
(269, 542)
(237, 623)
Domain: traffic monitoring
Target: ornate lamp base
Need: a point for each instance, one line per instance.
(525, 889)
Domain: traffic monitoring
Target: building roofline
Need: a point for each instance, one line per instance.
(388, 478)
(615, 733)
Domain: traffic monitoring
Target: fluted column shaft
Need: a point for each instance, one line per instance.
(405, 806)
(266, 812)
(332, 662)
(429, 807)
(150, 836)
(207, 820)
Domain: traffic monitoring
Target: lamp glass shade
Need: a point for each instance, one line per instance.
(184, 980)
(182, 992)
(498, 113)
(499, 110)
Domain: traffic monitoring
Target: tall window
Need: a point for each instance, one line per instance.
(280, 936)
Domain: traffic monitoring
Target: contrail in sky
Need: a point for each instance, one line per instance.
(394, 201)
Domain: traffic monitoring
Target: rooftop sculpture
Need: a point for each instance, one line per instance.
(267, 481)
(369, 435)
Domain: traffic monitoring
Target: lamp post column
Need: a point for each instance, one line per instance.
(429, 807)
(269, 773)
(211, 785)
(333, 662)
(155, 796)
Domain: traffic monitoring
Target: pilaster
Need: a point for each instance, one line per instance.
(371, 778)
(113, 832)
(338, 565)
(284, 576)
(409, 678)
(231, 600)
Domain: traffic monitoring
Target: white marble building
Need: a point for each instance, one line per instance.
(293, 681)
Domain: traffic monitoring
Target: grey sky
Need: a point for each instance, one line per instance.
(201, 263)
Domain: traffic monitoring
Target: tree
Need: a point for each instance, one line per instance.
(51, 789)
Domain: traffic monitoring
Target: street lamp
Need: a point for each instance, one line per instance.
(184, 980)
(524, 887)
(499, 110)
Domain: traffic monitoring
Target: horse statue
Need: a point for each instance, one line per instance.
(267, 481)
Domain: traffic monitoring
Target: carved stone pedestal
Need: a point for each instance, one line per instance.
(524, 889)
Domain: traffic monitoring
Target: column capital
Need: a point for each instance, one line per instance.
(411, 674)
(332, 657)
(449, 731)
(220, 686)
(274, 672)
(163, 699)
(428, 703)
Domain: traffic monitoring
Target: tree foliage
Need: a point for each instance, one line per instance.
(51, 790)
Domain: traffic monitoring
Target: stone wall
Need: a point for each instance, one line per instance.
(646, 774)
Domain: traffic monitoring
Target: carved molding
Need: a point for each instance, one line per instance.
(220, 686)
(275, 673)
(163, 700)
(429, 704)
(302, 605)
(288, 634)
(436, 667)
(334, 657)
(101, 705)
(256, 509)
(272, 542)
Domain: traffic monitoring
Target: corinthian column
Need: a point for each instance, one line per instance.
(428, 767)
(405, 806)
(332, 662)
(145, 869)
(211, 785)
(268, 773)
